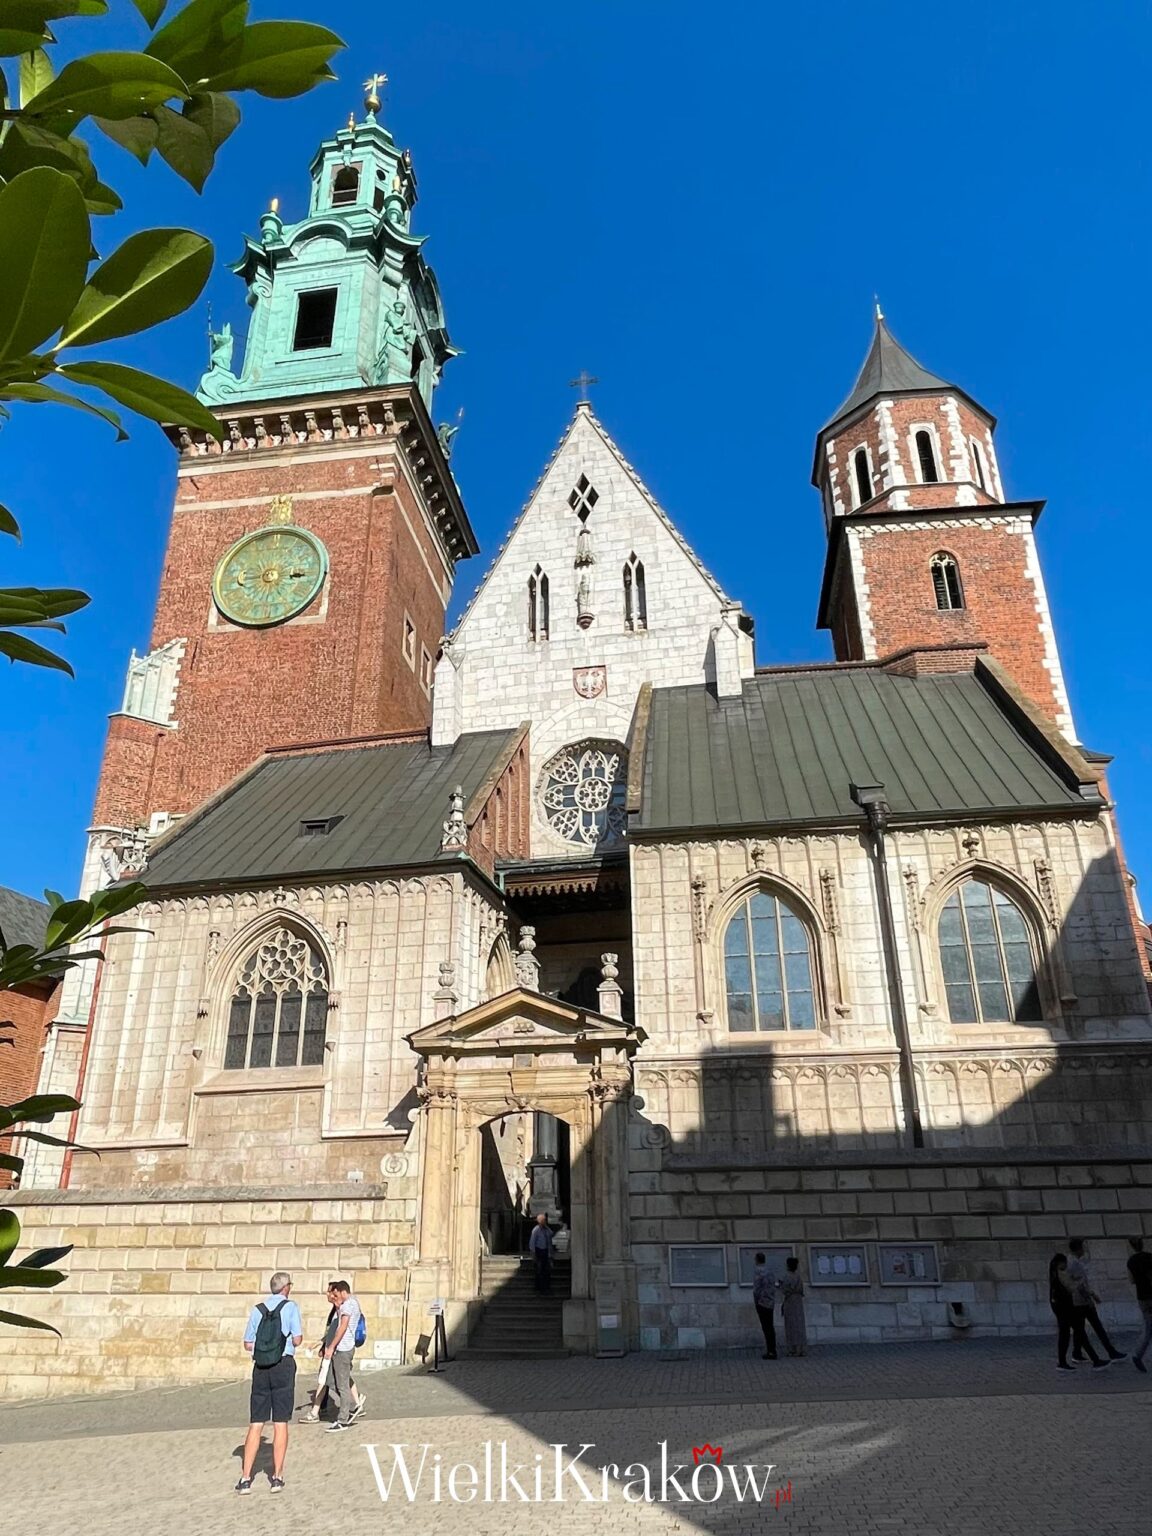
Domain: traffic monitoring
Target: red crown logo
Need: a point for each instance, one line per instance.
(707, 1452)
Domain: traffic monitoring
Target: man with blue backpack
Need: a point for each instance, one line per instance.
(274, 1330)
(339, 1350)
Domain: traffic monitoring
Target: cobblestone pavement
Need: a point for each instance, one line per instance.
(960, 1438)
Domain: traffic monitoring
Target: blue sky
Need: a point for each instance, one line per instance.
(697, 207)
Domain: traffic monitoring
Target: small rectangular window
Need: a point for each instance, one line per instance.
(409, 643)
(319, 826)
(425, 669)
(315, 319)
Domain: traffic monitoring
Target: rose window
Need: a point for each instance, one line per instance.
(583, 793)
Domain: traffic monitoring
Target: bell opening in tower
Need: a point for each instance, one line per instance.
(315, 320)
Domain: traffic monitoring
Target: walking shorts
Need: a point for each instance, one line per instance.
(273, 1392)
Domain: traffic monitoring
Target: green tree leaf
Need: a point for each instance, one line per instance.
(184, 145)
(36, 74)
(43, 1257)
(14, 41)
(153, 276)
(8, 524)
(151, 10)
(146, 394)
(137, 135)
(275, 58)
(27, 145)
(110, 85)
(14, 1320)
(43, 394)
(41, 1106)
(20, 648)
(44, 242)
(9, 1234)
(216, 113)
(196, 36)
(17, 1274)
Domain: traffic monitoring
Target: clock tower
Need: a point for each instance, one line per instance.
(311, 553)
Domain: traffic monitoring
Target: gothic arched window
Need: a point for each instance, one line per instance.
(768, 972)
(537, 605)
(863, 474)
(635, 596)
(986, 957)
(345, 186)
(946, 581)
(278, 1011)
(926, 456)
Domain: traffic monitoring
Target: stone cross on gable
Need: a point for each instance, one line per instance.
(583, 382)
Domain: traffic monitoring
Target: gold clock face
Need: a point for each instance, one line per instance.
(269, 576)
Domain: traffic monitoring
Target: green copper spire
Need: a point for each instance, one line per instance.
(343, 299)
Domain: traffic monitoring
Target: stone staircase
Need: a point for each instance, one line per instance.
(516, 1322)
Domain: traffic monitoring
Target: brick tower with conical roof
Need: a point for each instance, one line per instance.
(925, 553)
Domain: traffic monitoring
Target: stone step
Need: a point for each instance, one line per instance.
(500, 1352)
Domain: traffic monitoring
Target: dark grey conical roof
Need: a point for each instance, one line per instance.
(888, 370)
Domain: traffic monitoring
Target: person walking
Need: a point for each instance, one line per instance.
(792, 1308)
(540, 1247)
(274, 1330)
(764, 1297)
(321, 1394)
(1084, 1296)
(340, 1352)
(1069, 1317)
(1140, 1272)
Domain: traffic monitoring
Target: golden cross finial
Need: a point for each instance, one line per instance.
(372, 87)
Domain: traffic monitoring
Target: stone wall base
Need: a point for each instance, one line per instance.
(159, 1288)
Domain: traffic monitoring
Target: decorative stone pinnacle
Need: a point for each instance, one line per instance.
(526, 964)
(455, 838)
(610, 992)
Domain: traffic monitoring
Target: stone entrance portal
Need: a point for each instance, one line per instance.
(521, 1053)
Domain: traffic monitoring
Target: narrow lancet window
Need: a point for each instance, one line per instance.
(635, 595)
(538, 605)
(926, 454)
(946, 582)
(863, 475)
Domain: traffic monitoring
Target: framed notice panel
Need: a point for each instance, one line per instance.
(838, 1264)
(774, 1255)
(908, 1263)
(697, 1264)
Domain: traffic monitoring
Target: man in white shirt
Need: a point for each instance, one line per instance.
(340, 1351)
(540, 1247)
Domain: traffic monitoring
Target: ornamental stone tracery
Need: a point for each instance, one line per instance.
(582, 793)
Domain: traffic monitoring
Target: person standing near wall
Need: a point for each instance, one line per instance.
(764, 1297)
(792, 1308)
(1085, 1297)
(1140, 1272)
(340, 1352)
(540, 1247)
(273, 1333)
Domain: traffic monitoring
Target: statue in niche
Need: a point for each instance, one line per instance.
(399, 337)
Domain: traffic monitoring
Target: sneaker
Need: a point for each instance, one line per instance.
(1101, 1365)
(1139, 1364)
(358, 1410)
(334, 1429)
(1065, 1368)
(311, 1417)
(244, 1485)
(1117, 1355)
(275, 1485)
(1079, 1360)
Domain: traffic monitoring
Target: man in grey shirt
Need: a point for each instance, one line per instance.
(1084, 1296)
(764, 1297)
(540, 1247)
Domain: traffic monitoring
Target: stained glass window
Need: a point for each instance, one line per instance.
(768, 967)
(583, 793)
(986, 957)
(282, 985)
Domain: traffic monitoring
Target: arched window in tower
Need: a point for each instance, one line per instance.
(926, 457)
(278, 1011)
(768, 970)
(987, 958)
(863, 473)
(345, 186)
(978, 465)
(537, 605)
(946, 581)
(635, 596)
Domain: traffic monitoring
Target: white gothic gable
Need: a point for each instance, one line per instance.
(625, 602)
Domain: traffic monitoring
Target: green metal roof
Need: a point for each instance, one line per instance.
(392, 799)
(23, 919)
(789, 748)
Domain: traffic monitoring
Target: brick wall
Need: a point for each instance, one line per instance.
(338, 670)
(29, 1008)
